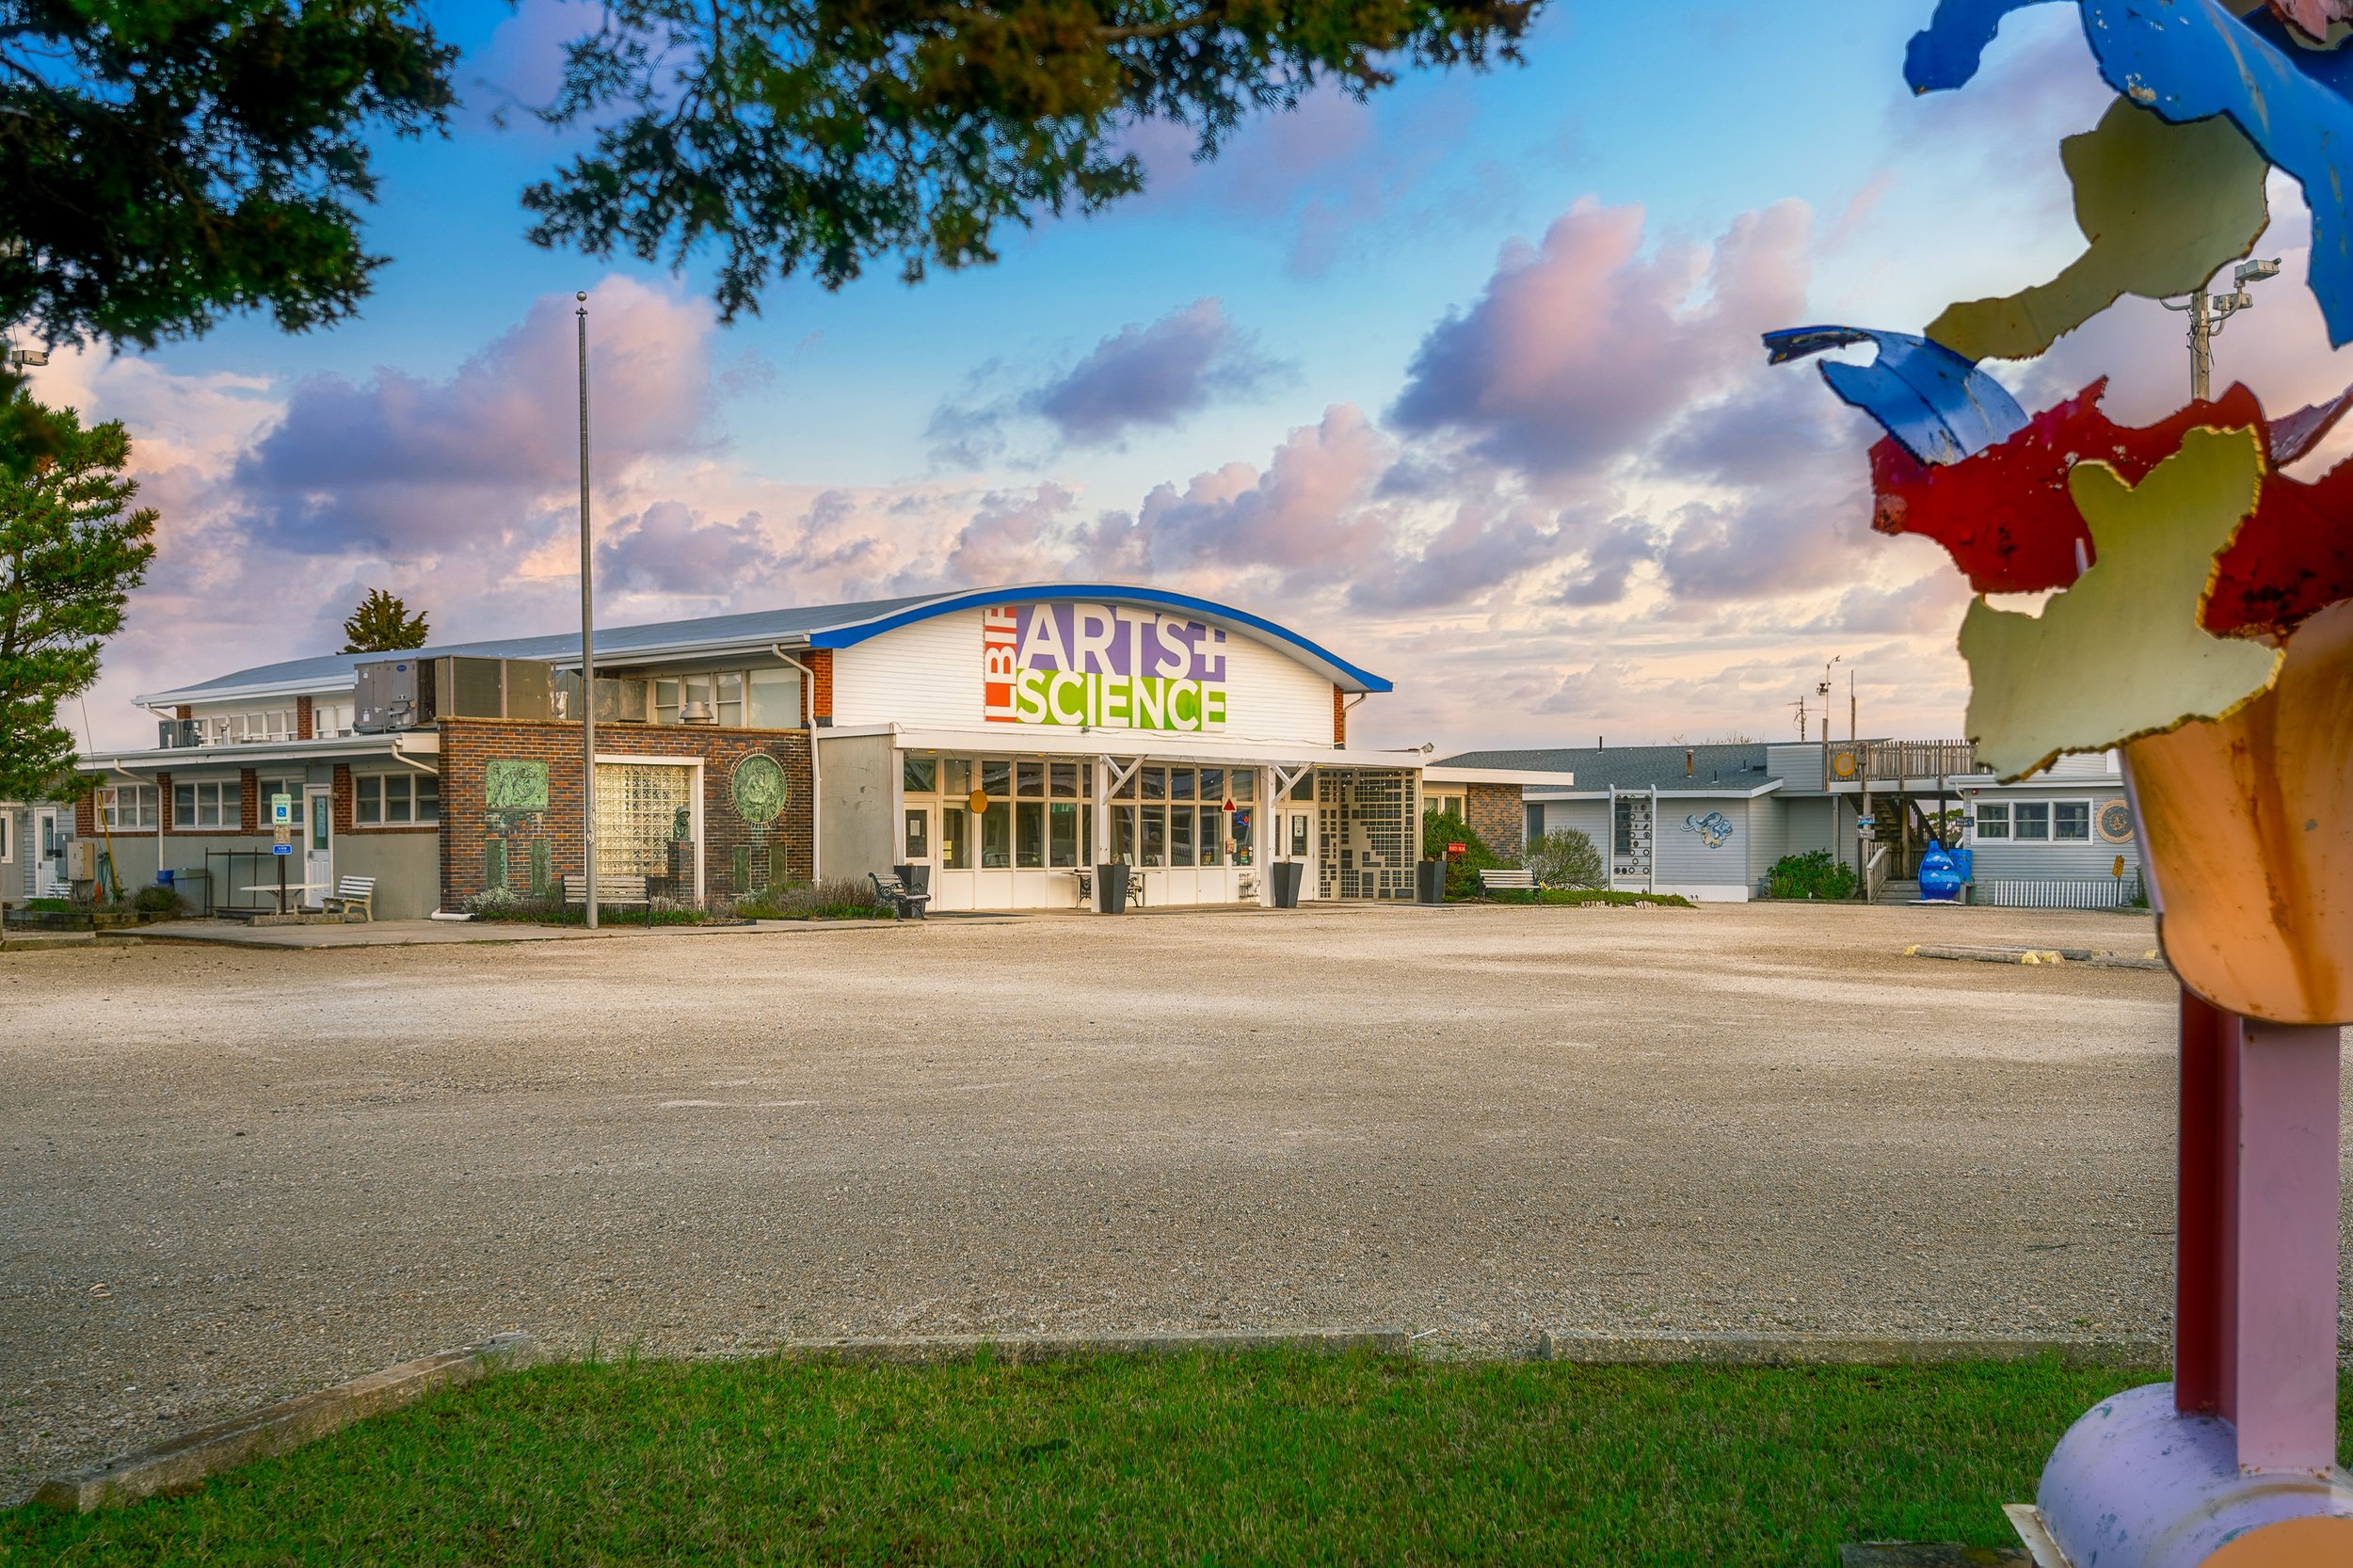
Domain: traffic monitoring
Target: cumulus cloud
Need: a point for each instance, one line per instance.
(1581, 348)
(1143, 377)
(400, 466)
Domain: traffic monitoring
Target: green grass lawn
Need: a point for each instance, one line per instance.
(1263, 1458)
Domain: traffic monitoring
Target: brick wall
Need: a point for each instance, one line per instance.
(1339, 716)
(1495, 814)
(302, 718)
(819, 662)
(470, 829)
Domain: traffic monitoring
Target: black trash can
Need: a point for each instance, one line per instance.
(1110, 887)
(915, 877)
(1430, 882)
(1286, 876)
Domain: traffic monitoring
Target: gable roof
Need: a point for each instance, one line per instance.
(1604, 768)
(808, 626)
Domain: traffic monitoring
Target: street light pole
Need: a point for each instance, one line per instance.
(2207, 313)
(587, 649)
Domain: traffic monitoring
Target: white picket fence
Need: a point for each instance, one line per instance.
(2105, 892)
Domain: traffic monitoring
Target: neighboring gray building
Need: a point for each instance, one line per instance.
(1709, 822)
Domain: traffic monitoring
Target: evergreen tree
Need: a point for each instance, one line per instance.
(383, 624)
(71, 552)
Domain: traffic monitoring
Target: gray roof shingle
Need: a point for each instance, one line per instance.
(1709, 767)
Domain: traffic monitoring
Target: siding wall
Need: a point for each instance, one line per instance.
(1769, 834)
(1683, 860)
(929, 674)
(2002, 860)
(1796, 765)
(1589, 817)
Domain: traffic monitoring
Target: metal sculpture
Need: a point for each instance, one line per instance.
(2201, 620)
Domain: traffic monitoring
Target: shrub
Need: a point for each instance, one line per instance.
(1565, 859)
(1813, 875)
(1441, 829)
(835, 897)
(155, 898)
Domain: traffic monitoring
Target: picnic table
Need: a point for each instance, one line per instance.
(282, 888)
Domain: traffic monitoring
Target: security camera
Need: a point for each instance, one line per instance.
(2256, 271)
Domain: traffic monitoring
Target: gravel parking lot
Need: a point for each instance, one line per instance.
(228, 1173)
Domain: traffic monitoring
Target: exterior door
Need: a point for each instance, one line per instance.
(49, 837)
(919, 839)
(318, 836)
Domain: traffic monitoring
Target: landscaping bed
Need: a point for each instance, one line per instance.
(1272, 1457)
(1591, 895)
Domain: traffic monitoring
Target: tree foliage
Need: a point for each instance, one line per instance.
(71, 552)
(829, 133)
(383, 624)
(1565, 859)
(167, 161)
(1441, 829)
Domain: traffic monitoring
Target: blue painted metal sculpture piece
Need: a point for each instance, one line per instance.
(1940, 405)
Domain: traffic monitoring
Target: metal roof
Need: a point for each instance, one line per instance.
(1602, 768)
(817, 626)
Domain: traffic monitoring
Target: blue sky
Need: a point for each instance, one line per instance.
(1462, 382)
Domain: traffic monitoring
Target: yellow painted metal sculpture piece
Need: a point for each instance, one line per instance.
(2121, 654)
(2249, 824)
(2164, 206)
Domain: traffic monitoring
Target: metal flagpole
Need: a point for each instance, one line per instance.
(587, 649)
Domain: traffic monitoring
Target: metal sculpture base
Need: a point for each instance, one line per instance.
(2232, 1464)
(2136, 1483)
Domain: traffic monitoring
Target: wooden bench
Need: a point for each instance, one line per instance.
(352, 892)
(1508, 880)
(612, 892)
(906, 905)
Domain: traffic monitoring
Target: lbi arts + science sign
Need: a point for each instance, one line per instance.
(1110, 667)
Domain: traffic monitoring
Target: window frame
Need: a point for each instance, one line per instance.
(2018, 816)
(1979, 822)
(146, 807)
(2060, 806)
(226, 800)
(411, 794)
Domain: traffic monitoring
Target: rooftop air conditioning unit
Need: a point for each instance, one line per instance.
(619, 699)
(392, 694)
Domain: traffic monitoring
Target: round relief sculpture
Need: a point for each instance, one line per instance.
(759, 788)
(2116, 822)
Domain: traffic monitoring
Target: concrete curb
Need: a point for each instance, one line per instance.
(2090, 956)
(1834, 1349)
(1028, 1350)
(273, 1430)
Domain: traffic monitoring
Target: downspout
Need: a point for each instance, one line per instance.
(1347, 707)
(1654, 837)
(816, 774)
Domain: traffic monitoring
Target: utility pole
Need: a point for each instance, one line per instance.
(2207, 314)
(587, 647)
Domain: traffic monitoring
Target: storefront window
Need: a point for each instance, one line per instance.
(919, 837)
(1065, 780)
(955, 776)
(1123, 834)
(1181, 835)
(1155, 834)
(1243, 821)
(1029, 780)
(1126, 787)
(1180, 784)
(995, 832)
(996, 780)
(1155, 782)
(918, 775)
(1029, 834)
(776, 697)
(1213, 784)
(1066, 822)
(1244, 786)
(955, 837)
(1212, 836)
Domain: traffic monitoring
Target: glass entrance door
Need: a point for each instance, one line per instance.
(318, 830)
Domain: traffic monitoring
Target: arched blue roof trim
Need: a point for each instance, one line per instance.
(1338, 668)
